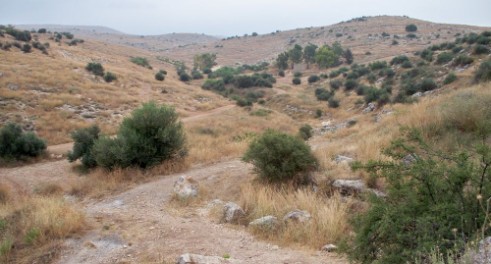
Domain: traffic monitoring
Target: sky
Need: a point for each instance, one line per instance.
(232, 17)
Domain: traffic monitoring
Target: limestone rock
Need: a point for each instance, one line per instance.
(349, 187)
(185, 187)
(329, 248)
(232, 213)
(370, 108)
(297, 216)
(200, 259)
(483, 254)
(265, 222)
(343, 159)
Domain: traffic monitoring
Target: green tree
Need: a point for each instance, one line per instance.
(411, 28)
(151, 135)
(204, 61)
(279, 157)
(348, 56)
(282, 61)
(84, 139)
(337, 49)
(295, 54)
(309, 54)
(325, 57)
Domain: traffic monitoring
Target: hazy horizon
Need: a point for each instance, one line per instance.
(226, 18)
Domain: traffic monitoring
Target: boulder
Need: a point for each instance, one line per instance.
(349, 187)
(297, 216)
(265, 222)
(186, 187)
(232, 213)
(370, 108)
(329, 248)
(200, 259)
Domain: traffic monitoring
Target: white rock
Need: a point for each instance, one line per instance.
(265, 222)
(185, 187)
(232, 213)
(199, 259)
(329, 248)
(297, 216)
(343, 159)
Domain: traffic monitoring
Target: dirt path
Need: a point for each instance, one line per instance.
(62, 149)
(139, 226)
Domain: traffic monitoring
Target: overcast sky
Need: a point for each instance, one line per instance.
(232, 17)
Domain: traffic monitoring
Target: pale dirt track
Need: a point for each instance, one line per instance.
(141, 225)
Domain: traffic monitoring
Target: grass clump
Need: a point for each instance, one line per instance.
(483, 74)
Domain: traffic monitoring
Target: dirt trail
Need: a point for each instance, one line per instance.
(62, 149)
(139, 226)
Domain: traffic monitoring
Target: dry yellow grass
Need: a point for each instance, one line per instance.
(31, 225)
(329, 221)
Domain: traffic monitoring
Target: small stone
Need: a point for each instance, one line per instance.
(185, 187)
(297, 216)
(343, 159)
(265, 222)
(329, 248)
(349, 187)
(199, 259)
(232, 213)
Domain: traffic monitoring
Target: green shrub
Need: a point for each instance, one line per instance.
(313, 79)
(109, 77)
(184, 77)
(296, 81)
(281, 73)
(151, 135)
(141, 62)
(480, 49)
(406, 65)
(95, 68)
(83, 141)
(427, 55)
(67, 35)
(14, 143)
(196, 74)
(463, 60)
(279, 157)
(450, 78)
(160, 75)
(18, 34)
(305, 132)
(333, 102)
(378, 65)
(323, 94)
(26, 48)
(427, 84)
(371, 78)
(214, 84)
(444, 57)
(411, 28)
(242, 102)
(457, 49)
(399, 60)
(75, 42)
(411, 36)
(483, 74)
(42, 31)
(350, 85)
(335, 84)
(427, 200)
(297, 74)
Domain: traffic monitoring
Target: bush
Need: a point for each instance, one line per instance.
(279, 157)
(160, 75)
(378, 65)
(84, 140)
(350, 85)
(74, 42)
(333, 103)
(67, 35)
(305, 132)
(427, 55)
(242, 102)
(463, 60)
(214, 84)
(296, 81)
(141, 62)
(313, 79)
(323, 94)
(444, 57)
(109, 77)
(335, 84)
(427, 85)
(26, 48)
(451, 77)
(281, 73)
(42, 31)
(19, 34)
(406, 65)
(196, 74)
(411, 28)
(184, 77)
(422, 209)
(399, 60)
(151, 135)
(297, 74)
(483, 74)
(411, 36)
(95, 68)
(14, 143)
(480, 49)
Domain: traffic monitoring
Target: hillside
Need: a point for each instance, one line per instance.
(419, 108)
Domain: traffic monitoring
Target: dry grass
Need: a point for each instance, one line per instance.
(34, 225)
(329, 221)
